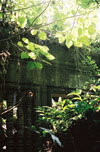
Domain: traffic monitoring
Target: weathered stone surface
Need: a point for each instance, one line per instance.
(61, 74)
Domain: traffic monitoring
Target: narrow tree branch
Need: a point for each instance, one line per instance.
(66, 18)
(30, 6)
(40, 14)
(74, 18)
(24, 8)
(17, 104)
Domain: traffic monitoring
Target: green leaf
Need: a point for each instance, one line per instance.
(73, 12)
(79, 31)
(45, 48)
(20, 44)
(73, 93)
(69, 41)
(99, 79)
(91, 29)
(22, 21)
(32, 55)
(69, 44)
(61, 39)
(47, 55)
(77, 98)
(80, 20)
(98, 108)
(31, 65)
(85, 40)
(30, 46)
(39, 65)
(24, 55)
(78, 44)
(50, 57)
(98, 87)
(85, 3)
(25, 40)
(58, 34)
(42, 35)
(1, 15)
(33, 32)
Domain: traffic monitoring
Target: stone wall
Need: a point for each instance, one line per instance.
(55, 79)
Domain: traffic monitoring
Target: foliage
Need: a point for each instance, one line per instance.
(71, 22)
(62, 114)
(14, 23)
(85, 60)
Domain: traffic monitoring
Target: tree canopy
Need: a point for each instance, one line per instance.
(71, 22)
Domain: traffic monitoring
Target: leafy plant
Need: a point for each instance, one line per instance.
(60, 116)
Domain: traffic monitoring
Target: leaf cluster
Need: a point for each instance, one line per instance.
(62, 114)
(35, 52)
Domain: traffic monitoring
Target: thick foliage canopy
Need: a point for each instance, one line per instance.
(71, 22)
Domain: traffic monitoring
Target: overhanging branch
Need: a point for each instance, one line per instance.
(46, 24)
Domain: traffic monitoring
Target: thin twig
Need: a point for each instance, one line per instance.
(66, 18)
(17, 104)
(30, 6)
(74, 18)
(15, 45)
(40, 14)
(24, 8)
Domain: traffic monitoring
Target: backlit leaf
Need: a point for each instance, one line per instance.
(45, 48)
(78, 44)
(79, 31)
(61, 39)
(32, 55)
(30, 46)
(42, 35)
(33, 32)
(22, 21)
(85, 40)
(69, 44)
(49, 56)
(25, 40)
(91, 29)
(20, 44)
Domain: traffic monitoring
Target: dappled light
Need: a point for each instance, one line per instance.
(49, 75)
